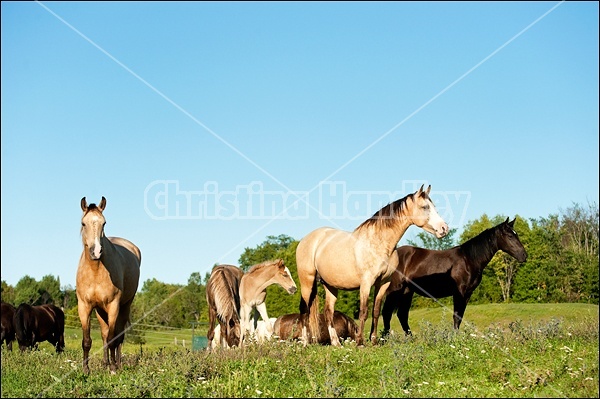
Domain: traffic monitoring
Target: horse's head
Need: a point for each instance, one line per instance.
(423, 214)
(92, 227)
(508, 241)
(284, 278)
(233, 332)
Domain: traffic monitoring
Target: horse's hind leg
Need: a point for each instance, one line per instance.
(330, 299)
(404, 303)
(210, 335)
(390, 304)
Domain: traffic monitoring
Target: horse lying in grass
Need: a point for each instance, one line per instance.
(289, 327)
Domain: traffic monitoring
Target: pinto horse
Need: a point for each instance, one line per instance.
(452, 272)
(8, 327)
(34, 324)
(223, 297)
(289, 327)
(107, 281)
(359, 260)
(253, 290)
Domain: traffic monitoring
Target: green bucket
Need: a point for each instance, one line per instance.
(199, 343)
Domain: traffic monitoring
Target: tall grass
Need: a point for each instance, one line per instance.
(544, 355)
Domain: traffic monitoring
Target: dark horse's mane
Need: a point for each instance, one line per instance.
(483, 246)
(387, 215)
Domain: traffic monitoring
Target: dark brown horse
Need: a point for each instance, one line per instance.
(223, 297)
(289, 327)
(452, 272)
(8, 328)
(34, 324)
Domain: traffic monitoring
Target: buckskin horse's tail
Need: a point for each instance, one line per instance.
(312, 308)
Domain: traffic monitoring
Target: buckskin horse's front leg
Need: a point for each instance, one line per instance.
(379, 294)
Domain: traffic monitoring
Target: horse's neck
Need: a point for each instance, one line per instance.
(252, 289)
(387, 237)
(482, 248)
(108, 252)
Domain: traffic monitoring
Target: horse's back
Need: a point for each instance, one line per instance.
(131, 266)
(426, 271)
(330, 253)
(129, 246)
(222, 289)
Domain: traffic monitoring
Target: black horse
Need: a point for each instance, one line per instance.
(8, 329)
(452, 272)
(34, 324)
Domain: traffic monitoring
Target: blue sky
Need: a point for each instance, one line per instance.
(186, 115)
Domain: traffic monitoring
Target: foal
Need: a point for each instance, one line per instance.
(253, 290)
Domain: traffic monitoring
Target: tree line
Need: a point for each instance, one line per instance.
(562, 266)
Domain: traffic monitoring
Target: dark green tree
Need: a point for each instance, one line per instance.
(8, 293)
(429, 241)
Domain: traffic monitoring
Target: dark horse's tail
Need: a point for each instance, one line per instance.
(312, 308)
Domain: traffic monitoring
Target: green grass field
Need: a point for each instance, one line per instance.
(514, 350)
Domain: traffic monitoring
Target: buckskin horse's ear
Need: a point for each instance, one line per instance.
(280, 263)
(102, 204)
(428, 190)
(419, 191)
(83, 204)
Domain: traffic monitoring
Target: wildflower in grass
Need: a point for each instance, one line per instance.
(452, 346)
(258, 392)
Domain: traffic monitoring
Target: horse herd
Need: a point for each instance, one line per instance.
(366, 258)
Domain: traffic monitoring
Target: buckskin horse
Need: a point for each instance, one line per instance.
(359, 259)
(452, 272)
(107, 279)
